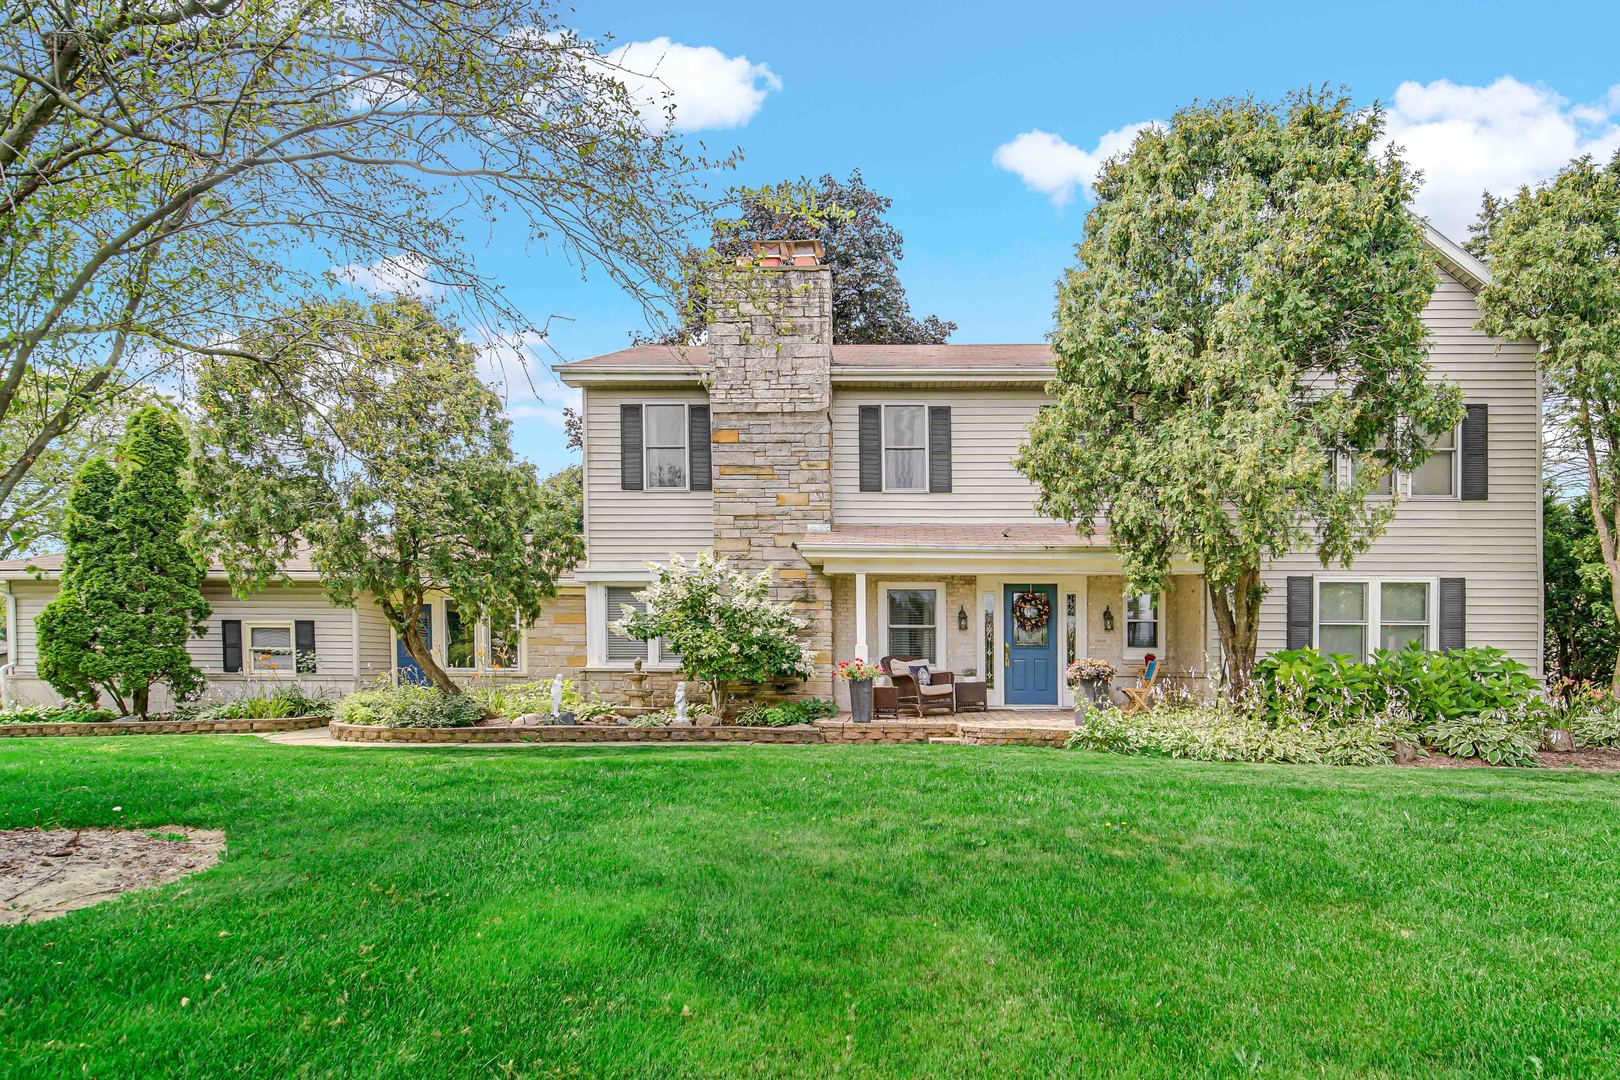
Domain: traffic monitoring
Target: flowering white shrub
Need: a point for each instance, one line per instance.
(722, 623)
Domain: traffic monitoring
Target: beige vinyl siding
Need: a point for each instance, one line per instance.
(1495, 543)
(987, 427)
(32, 596)
(376, 640)
(334, 626)
(625, 530)
(334, 634)
(334, 639)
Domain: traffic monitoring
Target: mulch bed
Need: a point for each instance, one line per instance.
(49, 872)
(1588, 758)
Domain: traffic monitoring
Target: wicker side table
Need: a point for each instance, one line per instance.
(885, 701)
(970, 695)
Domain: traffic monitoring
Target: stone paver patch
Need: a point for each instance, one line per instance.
(49, 872)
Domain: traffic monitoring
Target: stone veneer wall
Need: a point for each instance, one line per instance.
(770, 346)
(1182, 615)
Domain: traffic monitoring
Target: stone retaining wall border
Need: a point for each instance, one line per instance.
(164, 727)
(575, 733)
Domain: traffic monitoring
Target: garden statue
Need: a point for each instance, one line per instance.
(556, 695)
(680, 702)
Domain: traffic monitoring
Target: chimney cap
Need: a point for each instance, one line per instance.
(787, 253)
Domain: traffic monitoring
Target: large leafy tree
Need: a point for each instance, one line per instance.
(863, 248)
(1246, 308)
(373, 442)
(131, 590)
(171, 170)
(1554, 251)
(723, 624)
(36, 516)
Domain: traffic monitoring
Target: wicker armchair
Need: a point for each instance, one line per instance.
(940, 693)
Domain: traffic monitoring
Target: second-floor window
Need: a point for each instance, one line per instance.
(1437, 478)
(667, 462)
(905, 448)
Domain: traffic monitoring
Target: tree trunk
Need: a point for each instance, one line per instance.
(138, 705)
(1237, 618)
(411, 635)
(1614, 598)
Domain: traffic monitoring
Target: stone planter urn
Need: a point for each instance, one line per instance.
(1088, 694)
(860, 700)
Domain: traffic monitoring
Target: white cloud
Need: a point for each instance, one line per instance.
(708, 88)
(548, 409)
(394, 275)
(1468, 139)
(1055, 167)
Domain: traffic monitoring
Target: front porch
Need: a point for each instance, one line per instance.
(1008, 606)
(997, 727)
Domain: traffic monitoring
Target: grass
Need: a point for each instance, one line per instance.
(818, 911)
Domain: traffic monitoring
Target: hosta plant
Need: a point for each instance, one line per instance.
(1501, 737)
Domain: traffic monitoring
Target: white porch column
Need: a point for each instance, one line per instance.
(860, 615)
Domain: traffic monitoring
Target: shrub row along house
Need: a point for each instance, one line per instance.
(876, 483)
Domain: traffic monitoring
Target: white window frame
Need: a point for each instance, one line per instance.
(596, 636)
(884, 448)
(482, 645)
(443, 637)
(647, 446)
(1401, 479)
(248, 667)
(1375, 604)
(1126, 650)
(940, 617)
(1456, 474)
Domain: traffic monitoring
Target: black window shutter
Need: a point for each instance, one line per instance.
(697, 423)
(1476, 452)
(939, 448)
(871, 439)
(230, 633)
(1453, 613)
(1300, 599)
(630, 475)
(304, 646)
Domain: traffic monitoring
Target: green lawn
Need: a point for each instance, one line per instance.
(811, 911)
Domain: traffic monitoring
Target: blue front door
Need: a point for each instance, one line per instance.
(409, 670)
(1032, 646)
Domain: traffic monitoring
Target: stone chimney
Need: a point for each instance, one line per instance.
(770, 400)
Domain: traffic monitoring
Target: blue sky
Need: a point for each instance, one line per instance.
(922, 97)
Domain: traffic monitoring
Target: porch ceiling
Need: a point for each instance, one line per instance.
(958, 549)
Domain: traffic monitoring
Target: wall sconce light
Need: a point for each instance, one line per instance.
(961, 618)
(1108, 619)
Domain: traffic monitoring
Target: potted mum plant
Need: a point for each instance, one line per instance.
(1089, 677)
(859, 673)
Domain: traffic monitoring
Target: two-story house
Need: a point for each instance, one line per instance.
(877, 483)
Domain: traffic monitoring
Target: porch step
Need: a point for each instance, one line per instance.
(946, 740)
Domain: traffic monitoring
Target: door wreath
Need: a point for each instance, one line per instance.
(1031, 611)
